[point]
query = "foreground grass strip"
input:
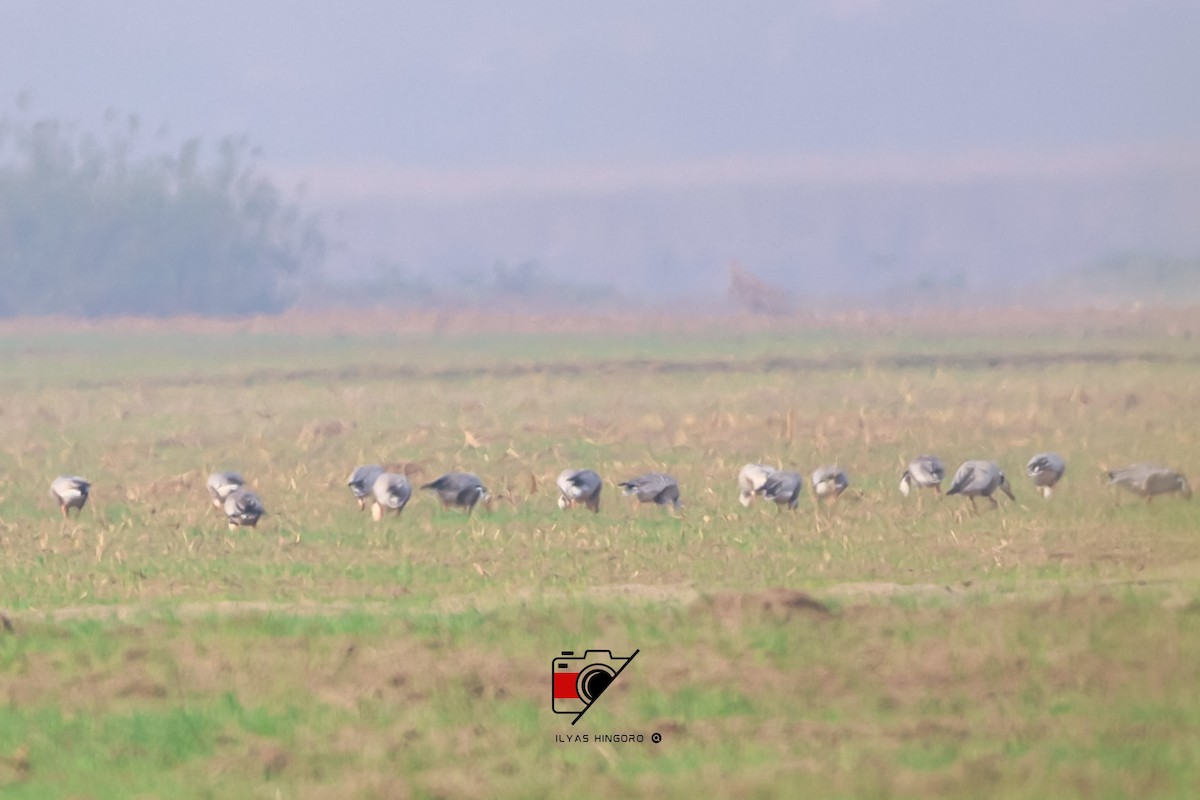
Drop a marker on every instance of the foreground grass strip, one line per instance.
(1068, 695)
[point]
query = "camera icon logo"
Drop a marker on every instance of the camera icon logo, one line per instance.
(580, 680)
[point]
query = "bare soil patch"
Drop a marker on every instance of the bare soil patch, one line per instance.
(777, 605)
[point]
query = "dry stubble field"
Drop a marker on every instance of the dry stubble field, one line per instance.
(871, 649)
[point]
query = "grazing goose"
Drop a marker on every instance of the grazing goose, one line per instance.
(783, 488)
(1046, 470)
(71, 491)
(924, 472)
(243, 508)
(461, 489)
(829, 482)
(391, 491)
(362, 483)
(653, 487)
(579, 486)
(1147, 480)
(751, 480)
(980, 479)
(221, 484)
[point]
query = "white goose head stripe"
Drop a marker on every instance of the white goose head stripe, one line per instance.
(71, 491)
(1046, 470)
(578, 486)
(751, 480)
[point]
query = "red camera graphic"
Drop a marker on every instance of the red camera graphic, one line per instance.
(580, 680)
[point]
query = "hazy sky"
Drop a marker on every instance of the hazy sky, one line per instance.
(449, 102)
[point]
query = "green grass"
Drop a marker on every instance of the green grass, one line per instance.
(1082, 685)
(1045, 649)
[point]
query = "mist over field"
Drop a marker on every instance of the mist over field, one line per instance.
(903, 243)
(852, 154)
(837, 357)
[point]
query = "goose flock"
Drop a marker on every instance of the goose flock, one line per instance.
(389, 491)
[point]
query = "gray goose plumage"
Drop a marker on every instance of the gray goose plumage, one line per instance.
(1046, 470)
(923, 472)
(577, 486)
(653, 487)
(750, 481)
(829, 481)
(362, 482)
(1148, 480)
(220, 484)
(243, 508)
(980, 479)
(390, 491)
(71, 491)
(461, 489)
(783, 488)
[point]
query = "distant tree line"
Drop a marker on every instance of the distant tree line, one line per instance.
(100, 224)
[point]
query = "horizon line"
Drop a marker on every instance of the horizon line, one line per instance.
(349, 182)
